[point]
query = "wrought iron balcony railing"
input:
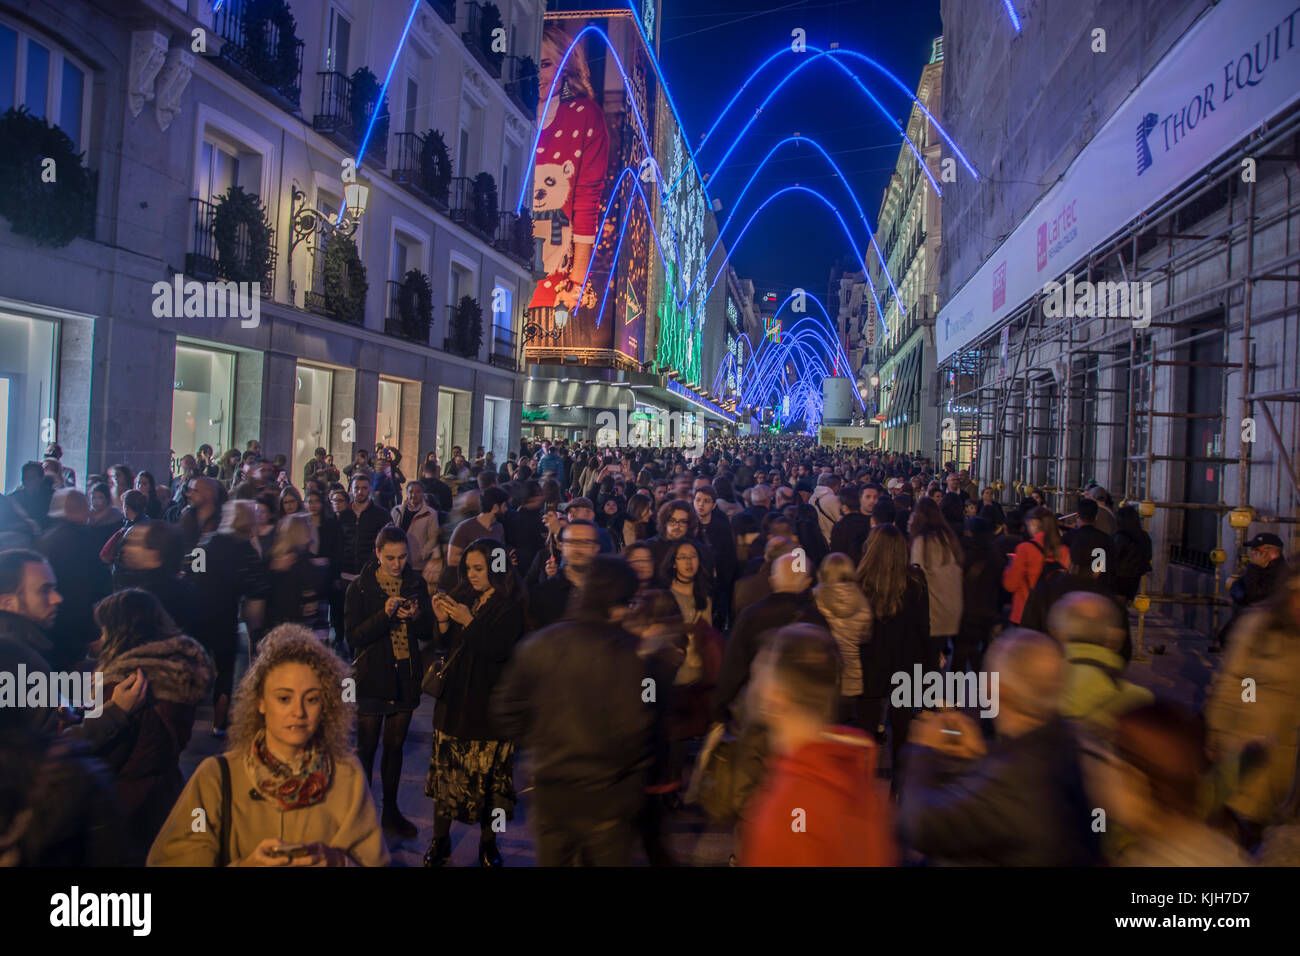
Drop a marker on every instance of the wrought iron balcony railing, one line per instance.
(203, 262)
(478, 45)
(407, 169)
(338, 118)
(414, 331)
(445, 9)
(262, 56)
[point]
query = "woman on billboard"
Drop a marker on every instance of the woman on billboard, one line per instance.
(569, 174)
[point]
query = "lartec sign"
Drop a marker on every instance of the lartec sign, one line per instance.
(1235, 68)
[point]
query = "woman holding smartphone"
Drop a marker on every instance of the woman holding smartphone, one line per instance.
(471, 774)
(289, 791)
(386, 616)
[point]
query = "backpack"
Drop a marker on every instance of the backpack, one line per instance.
(1050, 564)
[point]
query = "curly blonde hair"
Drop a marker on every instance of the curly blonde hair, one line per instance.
(293, 643)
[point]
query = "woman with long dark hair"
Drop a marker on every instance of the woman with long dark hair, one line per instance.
(1044, 546)
(1132, 552)
(682, 569)
(471, 773)
(137, 635)
(638, 523)
(387, 615)
(145, 484)
(900, 638)
(936, 550)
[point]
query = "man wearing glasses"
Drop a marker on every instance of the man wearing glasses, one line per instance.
(549, 601)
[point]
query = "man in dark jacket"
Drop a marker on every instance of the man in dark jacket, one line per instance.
(579, 698)
(72, 548)
(1265, 572)
(1088, 540)
(34, 493)
(849, 535)
(548, 600)
(791, 602)
(715, 530)
(1020, 803)
(434, 487)
(981, 584)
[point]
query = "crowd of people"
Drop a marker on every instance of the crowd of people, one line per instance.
(725, 630)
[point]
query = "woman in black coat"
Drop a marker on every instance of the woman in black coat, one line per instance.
(900, 636)
(387, 614)
(471, 774)
(1132, 553)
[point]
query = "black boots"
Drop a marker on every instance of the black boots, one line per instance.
(488, 854)
(439, 851)
(397, 825)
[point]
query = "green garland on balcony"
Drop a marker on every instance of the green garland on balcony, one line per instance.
(238, 208)
(53, 214)
(365, 99)
(278, 66)
(415, 305)
(484, 214)
(345, 279)
(435, 165)
(467, 327)
(489, 23)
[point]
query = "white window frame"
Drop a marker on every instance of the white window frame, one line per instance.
(455, 259)
(54, 81)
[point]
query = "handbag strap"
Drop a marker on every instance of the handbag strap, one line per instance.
(227, 802)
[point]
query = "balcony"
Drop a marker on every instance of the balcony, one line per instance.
(342, 120)
(505, 352)
(521, 84)
(393, 324)
(478, 39)
(514, 237)
(255, 54)
(449, 343)
(445, 9)
(484, 223)
(204, 263)
(314, 299)
(408, 170)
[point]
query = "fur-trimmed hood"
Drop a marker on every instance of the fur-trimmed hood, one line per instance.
(179, 669)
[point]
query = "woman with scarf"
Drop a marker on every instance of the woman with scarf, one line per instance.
(472, 771)
(137, 635)
(289, 791)
(387, 616)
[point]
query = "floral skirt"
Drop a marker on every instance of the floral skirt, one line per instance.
(468, 779)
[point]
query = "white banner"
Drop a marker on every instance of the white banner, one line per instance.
(1236, 67)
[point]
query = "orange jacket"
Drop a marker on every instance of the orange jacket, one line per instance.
(1024, 570)
(821, 806)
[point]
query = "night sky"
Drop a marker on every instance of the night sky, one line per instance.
(709, 47)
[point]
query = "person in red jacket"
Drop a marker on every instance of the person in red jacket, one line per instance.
(1027, 563)
(820, 804)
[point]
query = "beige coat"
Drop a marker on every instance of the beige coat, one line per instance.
(1270, 656)
(345, 819)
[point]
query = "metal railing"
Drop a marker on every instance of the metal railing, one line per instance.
(407, 169)
(475, 42)
(256, 49)
(314, 298)
(505, 350)
(522, 83)
(336, 115)
(514, 237)
(416, 331)
(464, 209)
(449, 344)
(203, 262)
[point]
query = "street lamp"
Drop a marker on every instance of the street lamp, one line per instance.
(875, 381)
(534, 330)
(306, 221)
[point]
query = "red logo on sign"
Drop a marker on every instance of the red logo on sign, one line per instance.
(1000, 286)
(1042, 246)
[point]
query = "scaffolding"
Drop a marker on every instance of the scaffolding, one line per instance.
(1044, 400)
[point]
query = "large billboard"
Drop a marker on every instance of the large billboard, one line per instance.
(1236, 67)
(586, 204)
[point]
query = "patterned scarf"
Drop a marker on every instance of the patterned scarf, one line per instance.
(290, 786)
(559, 219)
